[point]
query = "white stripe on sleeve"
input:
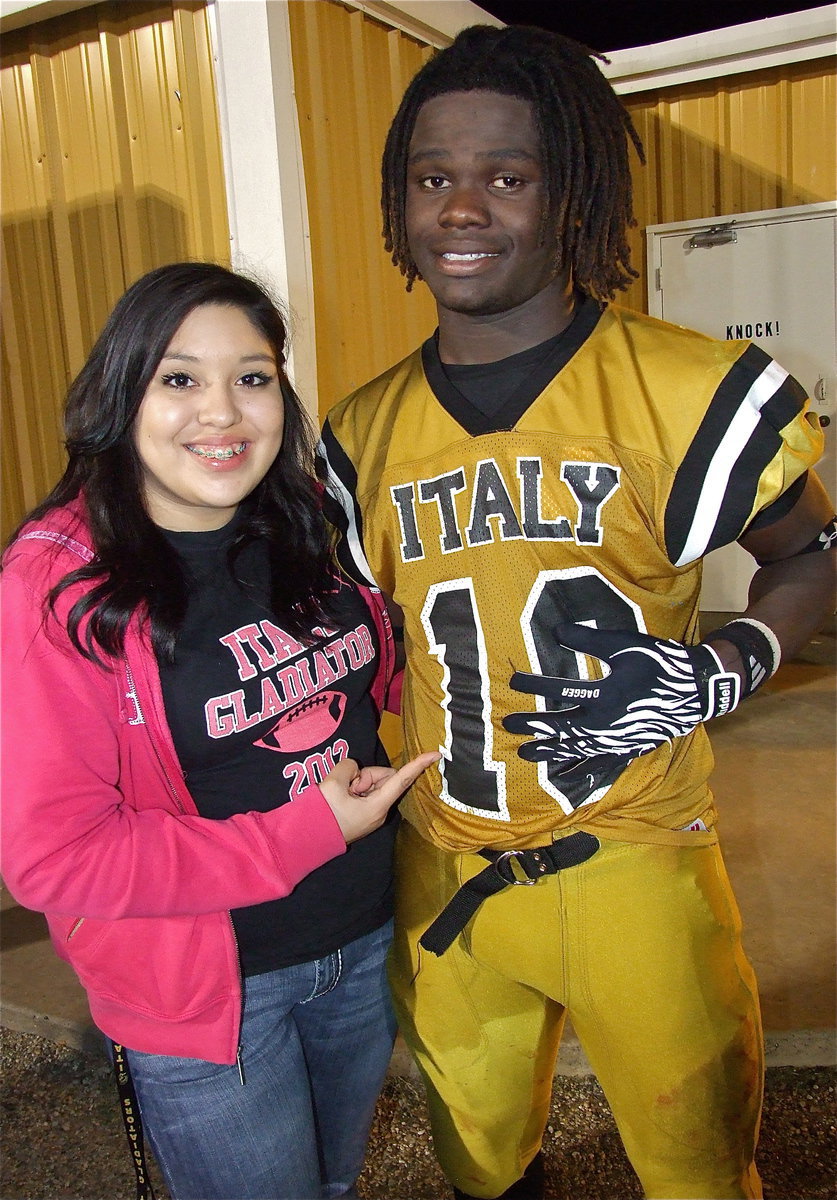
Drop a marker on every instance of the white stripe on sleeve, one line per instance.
(723, 461)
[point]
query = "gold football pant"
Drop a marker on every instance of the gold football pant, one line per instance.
(641, 946)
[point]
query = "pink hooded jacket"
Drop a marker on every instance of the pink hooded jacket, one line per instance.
(100, 832)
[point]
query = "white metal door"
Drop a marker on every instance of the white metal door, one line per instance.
(769, 277)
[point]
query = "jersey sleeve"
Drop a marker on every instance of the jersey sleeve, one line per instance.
(341, 507)
(779, 508)
(755, 440)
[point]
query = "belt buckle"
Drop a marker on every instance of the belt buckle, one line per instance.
(510, 856)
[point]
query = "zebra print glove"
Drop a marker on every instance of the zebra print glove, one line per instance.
(652, 691)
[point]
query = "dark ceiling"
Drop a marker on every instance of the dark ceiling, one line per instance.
(616, 24)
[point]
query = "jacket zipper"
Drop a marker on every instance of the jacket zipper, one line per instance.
(140, 720)
(239, 1052)
(77, 924)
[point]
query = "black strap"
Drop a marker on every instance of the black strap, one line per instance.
(534, 864)
(132, 1121)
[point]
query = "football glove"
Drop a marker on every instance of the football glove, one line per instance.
(652, 690)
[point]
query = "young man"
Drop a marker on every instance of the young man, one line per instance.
(536, 487)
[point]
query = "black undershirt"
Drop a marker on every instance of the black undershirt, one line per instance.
(488, 386)
(487, 397)
(256, 717)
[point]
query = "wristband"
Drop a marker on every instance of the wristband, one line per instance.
(758, 646)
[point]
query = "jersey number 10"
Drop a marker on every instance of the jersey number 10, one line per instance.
(473, 780)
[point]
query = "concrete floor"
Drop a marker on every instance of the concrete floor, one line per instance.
(774, 783)
(775, 787)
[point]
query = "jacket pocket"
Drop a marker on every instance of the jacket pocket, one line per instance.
(71, 935)
(166, 967)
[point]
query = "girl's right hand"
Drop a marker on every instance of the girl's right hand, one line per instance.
(363, 810)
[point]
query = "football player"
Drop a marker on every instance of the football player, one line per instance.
(536, 487)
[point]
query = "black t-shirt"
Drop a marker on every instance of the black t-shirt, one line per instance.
(519, 378)
(256, 717)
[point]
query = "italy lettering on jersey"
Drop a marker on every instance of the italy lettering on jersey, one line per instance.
(592, 500)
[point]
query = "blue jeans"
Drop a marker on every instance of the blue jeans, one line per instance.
(316, 1042)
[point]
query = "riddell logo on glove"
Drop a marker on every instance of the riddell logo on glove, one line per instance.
(725, 694)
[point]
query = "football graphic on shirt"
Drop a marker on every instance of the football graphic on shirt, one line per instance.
(309, 724)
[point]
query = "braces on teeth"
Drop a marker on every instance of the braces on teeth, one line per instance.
(218, 451)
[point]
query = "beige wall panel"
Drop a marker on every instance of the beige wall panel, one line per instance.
(350, 72)
(756, 141)
(107, 173)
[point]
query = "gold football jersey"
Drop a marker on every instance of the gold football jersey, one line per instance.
(591, 496)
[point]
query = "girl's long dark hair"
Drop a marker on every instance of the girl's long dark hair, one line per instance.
(135, 568)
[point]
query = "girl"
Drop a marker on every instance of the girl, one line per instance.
(188, 692)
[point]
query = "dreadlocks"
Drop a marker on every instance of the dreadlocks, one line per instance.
(581, 126)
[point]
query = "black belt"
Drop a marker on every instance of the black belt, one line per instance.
(545, 860)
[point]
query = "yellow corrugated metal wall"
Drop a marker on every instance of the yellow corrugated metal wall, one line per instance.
(350, 72)
(111, 164)
(761, 140)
